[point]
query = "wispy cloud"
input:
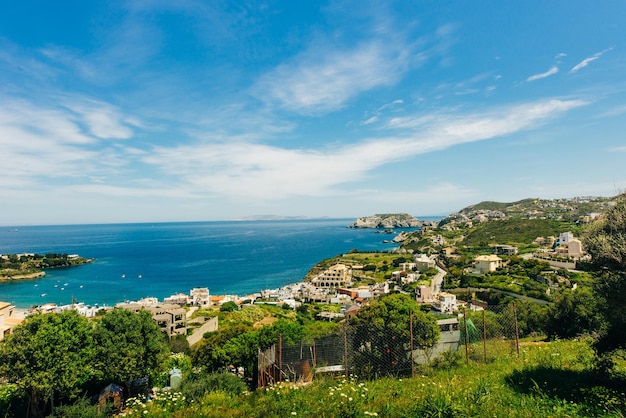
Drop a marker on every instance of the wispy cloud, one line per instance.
(317, 83)
(545, 74)
(268, 172)
(46, 142)
(588, 60)
(618, 149)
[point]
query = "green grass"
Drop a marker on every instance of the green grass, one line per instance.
(547, 380)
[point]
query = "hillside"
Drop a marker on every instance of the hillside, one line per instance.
(515, 231)
(574, 209)
(529, 386)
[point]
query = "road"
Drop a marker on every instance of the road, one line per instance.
(437, 281)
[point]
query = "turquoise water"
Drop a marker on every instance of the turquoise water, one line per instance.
(138, 260)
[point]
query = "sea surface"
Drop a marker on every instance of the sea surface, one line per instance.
(132, 261)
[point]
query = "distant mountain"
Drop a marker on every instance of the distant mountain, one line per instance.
(275, 218)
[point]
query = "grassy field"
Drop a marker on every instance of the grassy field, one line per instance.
(547, 380)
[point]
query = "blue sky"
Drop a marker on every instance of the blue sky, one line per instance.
(156, 110)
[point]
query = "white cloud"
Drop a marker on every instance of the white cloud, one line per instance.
(370, 120)
(40, 142)
(316, 83)
(588, 60)
(545, 74)
(268, 172)
(101, 119)
(618, 149)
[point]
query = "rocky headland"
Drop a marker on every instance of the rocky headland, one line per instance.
(388, 221)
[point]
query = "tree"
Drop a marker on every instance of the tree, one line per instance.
(129, 346)
(49, 356)
(381, 337)
(605, 242)
(229, 307)
(575, 312)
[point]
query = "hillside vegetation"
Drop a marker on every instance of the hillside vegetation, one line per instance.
(531, 386)
(516, 231)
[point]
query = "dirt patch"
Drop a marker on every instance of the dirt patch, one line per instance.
(268, 320)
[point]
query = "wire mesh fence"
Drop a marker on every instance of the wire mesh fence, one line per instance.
(370, 351)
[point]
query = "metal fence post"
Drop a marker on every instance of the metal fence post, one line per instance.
(516, 329)
(280, 358)
(484, 337)
(466, 336)
(411, 331)
(345, 349)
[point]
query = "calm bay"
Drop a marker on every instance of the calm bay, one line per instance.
(132, 261)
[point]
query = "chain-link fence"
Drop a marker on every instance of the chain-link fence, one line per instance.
(371, 351)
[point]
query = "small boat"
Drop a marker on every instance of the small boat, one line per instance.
(81, 286)
(123, 276)
(139, 277)
(42, 295)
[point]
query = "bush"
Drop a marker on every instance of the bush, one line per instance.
(229, 307)
(82, 409)
(447, 360)
(200, 384)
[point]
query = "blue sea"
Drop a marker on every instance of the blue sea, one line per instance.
(139, 260)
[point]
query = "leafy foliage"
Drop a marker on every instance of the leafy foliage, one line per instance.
(229, 307)
(605, 241)
(128, 346)
(382, 334)
(49, 355)
(575, 312)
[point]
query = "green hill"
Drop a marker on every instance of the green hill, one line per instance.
(515, 231)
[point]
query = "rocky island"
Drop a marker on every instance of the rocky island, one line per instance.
(391, 220)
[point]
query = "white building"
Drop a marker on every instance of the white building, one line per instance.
(339, 275)
(424, 263)
(200, 296)
(486, 263)
(446, 302)
(565, 237)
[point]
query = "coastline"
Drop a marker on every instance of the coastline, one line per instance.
(27, 276)
(136, 261)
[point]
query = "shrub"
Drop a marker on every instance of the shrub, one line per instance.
(229, 307)
(447, 360)
(200, 384)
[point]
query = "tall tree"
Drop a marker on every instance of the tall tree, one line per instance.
(49, 356)
(605, 241)
(129, 346)
(381, 334)
(575, 312)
